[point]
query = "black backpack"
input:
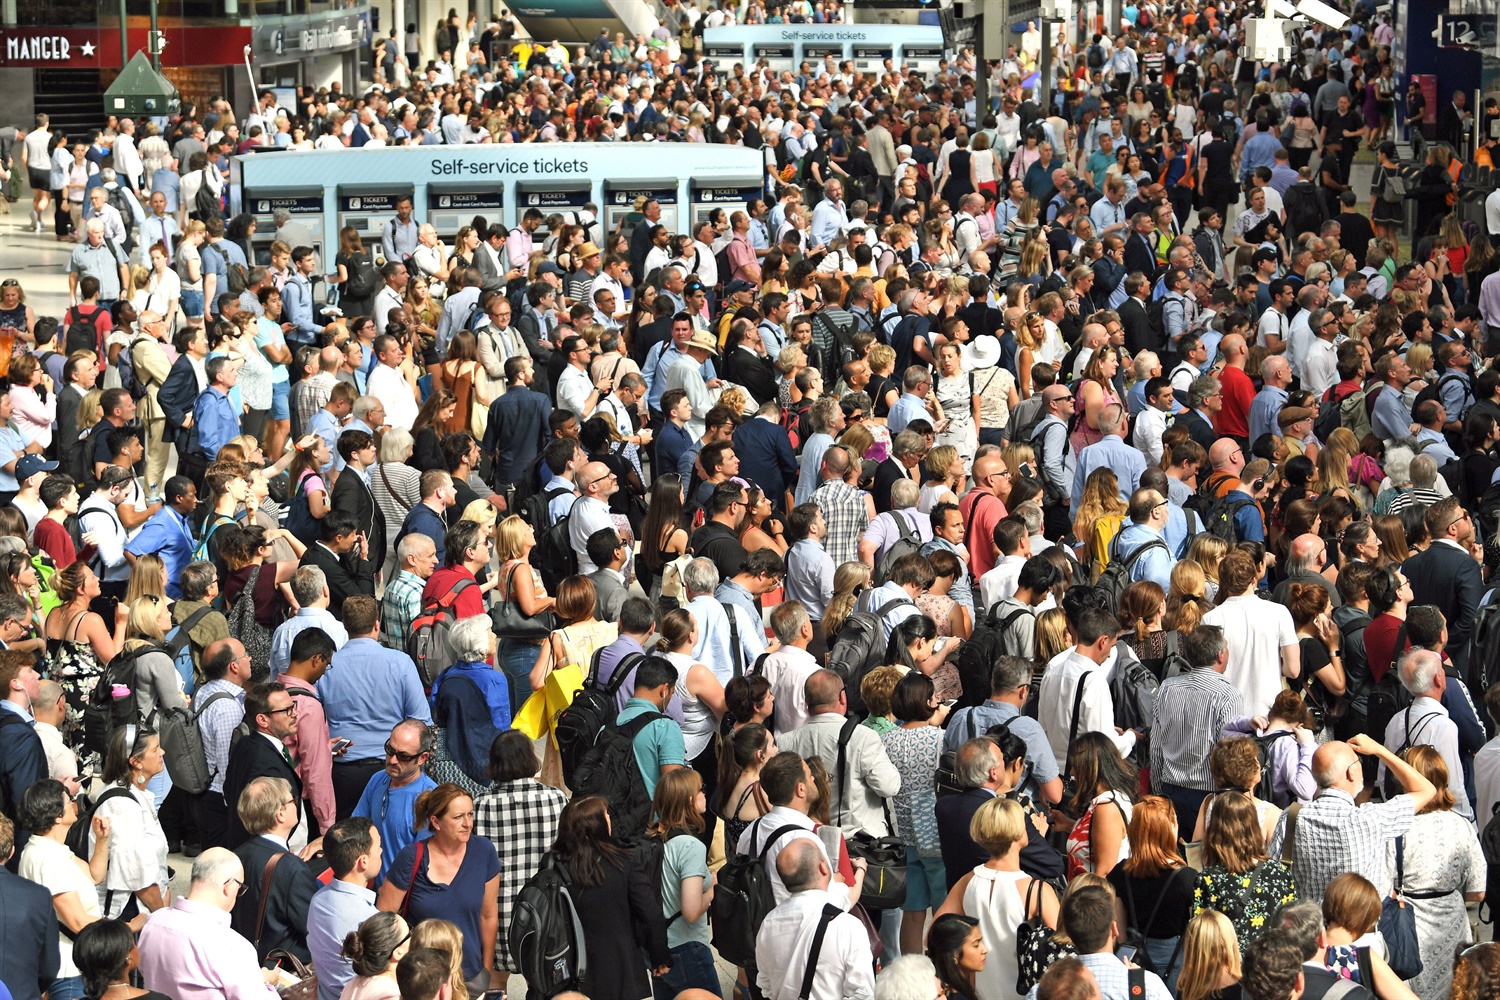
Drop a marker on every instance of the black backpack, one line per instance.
(1387, 696)
(593, 707)
(545, 935)
(1116, 576)
(1156, 320)
(103, 713)
(82, 333)
(977, 656)
(235, 275)
(1263, 754)
(1484, 650)
(299, 520)
(1410, 739)
(555, 559)
(608, 768)
(860, 648)
(743, 895)
(1329, 414)
(1132, 688)
(129, 380)
(121, 202)
(364, 279)
(1220, 520)
(77, 837)
(205, 203)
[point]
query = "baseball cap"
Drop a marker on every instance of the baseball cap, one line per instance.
(738, 285)
(29, 465)
(547, 267)
(1264, 253)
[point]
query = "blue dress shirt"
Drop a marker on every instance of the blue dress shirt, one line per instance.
(217, 422)
(168, 534)
(366, 691)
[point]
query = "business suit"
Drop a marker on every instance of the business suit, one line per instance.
(292, 889)
(753, 371)
(352, 496)
(347, 574)
(1201, 430)
(69, 448)
(1139, 256)
(23, 763)
(177, 395)
(517, 433)
(961, 855)
(886, 474)
(30, 960)
(1448, 577)
(609, 594)
(253, 757)
(766, 458)
(1138, 334)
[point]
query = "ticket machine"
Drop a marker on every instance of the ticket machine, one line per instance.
(305, 208)
(922, 58)
(549, 198)
(450, 211)
(369, 210)
(816, 52)
(725, 55)
(620, 199)
(871, 58)
(778, 56)
(731, 198)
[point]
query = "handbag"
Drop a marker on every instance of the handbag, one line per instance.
(479, 415)
(885, 857)
(510, 622)
(1398, 926)
(306, 986)
(1036, 947)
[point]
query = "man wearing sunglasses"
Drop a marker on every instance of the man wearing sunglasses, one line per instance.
(390, 799)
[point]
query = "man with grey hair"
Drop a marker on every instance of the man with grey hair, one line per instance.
(310, 589)
(280, 920)
(844, 966)
(1205, 398)
(1333, 833)
(189, 948)
(101, 258)
(903, 520)
(1010, 683)
(290, 231)
(416, 558)
(1427, 722)
(367, 414)
(916, 386)
(1110, 452)
(1192, 710)
(1320, 360)
(1276, 375)
(1303, 921)
(788, 668)
(987, 767)
(721, 642)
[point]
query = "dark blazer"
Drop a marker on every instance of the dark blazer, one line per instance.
(886, 474)
(69, 448)
(30, 960)
(253, 757)
(347, 575)
(961, 855)
(766, 458)
(1138, 335)
(177, 395)
(490, 278)
(1139, 256)
(757, 374)
(621, 916)
(517, 433)
(1449, 578)
(292, 888)
(1201, 430)
(352, 496)
(23, 763)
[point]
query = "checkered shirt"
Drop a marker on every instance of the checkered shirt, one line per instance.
(1333, 836)
(217, 724)
(399, 608)
(309, 396)
(520, 818)
(843, 508)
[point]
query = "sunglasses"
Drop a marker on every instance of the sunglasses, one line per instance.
(405, 758)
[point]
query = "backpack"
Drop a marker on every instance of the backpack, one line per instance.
(1220, 521)
(555, 559)
(217, 521)
(205, 203)
(1434, 392)
(545, 935)
(179, 646)
(1304, 210)
(1329, 418)
(860, 648)
(1132, 688)
(182, 745)
(77, 837)
(1391, 786)
(1263, 754)
(117, 198)
(364, 280)
(1484, 650)
(126, 367)
(1387, 696)
(1096, 56)
(843, 344)
(103, 713)
(1354, 411)
(255, 637)
(977, 656)
(1116, 576)
(724, 267)
(82, 333)
(743, 895)
(580, 724)
(235, 275)
(299, 519)
(1393, 187)
(427, 644)
(908, 543)
(609, 768)
(1050, 492)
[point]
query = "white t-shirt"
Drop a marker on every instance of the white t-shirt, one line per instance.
(51, 864)
(1256, 631)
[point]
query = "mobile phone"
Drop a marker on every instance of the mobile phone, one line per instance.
(1026, 471)
(341, 744)
(950, 703)
(1126, 953)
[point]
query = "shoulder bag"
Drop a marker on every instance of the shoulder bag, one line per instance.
(306, 987)
(1036, 946)
(885, 857)
(510, 622)
(1398, 925)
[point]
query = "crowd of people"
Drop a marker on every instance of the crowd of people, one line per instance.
(1047, 550)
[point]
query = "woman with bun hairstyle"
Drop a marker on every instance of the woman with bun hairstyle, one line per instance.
(374, 950)
(1290, 755)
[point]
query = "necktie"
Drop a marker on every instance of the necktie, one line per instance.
(288, 755)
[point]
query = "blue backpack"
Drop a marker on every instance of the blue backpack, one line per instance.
(179, 647)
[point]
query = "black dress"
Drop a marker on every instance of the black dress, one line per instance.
(957, 185)
(353, 305)
(1384, 211)
(426, 451)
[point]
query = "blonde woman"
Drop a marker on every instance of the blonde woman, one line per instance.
(158, 685)
(1053, 635)
(1187, 600)
(1031, 333)
(441, 935)
(1206, 551)
(517, 580)
(1210, 958)
(148, 578)
(1100, 514)
(849, 581)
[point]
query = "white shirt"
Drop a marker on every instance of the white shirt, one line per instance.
(1150, 425)
(400, 404)
(1492, 213)
(385, 300)
(573, 389)
(795, 826)
(787, 670)
(1053, 347)
(61, 762)
(1096, 713)
(1000, 582)
(1486, 779)
(784, 944)
(1256, 631)
(1320, 366)
(590, 514)
(1273, 323)
(1432, 726)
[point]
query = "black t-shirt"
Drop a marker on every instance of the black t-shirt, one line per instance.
(1219, 156)
(1176, 906)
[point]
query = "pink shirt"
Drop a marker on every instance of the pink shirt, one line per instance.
(189, 952)
(518, 247)
(32, 416)
(309, 745)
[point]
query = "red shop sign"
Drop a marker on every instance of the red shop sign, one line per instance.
(95, 48)
(59, 48)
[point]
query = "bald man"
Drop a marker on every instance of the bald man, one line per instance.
(783, 946)
(1306, 560)
(982, 508)
(596, 484)
(1233, 419)
(1275, 375)
(1333, 834)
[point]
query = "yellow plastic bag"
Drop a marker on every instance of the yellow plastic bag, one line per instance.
(538, 716)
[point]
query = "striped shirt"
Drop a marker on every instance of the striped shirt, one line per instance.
(1191, 711)
(216, 724)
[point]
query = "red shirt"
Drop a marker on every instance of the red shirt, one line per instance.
(979, 528)
(444, 579)
(52, 538)
(1234, 419)
(1380, 643)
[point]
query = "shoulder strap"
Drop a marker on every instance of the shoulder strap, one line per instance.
(829, 912)
(736, 654)
(846, 733)
(216, 696)
(265, 894)
(1141, 550)
(1366, 967)
(622, 670)
(1292, 810)
(416, 866)
(633, 728)
(1136, 977)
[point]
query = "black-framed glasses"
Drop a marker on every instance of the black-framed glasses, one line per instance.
(405, 758)
(289, 710)
(243, 887)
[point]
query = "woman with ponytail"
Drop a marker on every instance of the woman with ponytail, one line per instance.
(741, 756)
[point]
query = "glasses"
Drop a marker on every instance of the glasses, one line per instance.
(241, 890)
(602, 479)
(10, 283)
(405, 758)
(289, 710)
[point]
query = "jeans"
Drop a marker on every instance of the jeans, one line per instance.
(66, 989)
(1160, 950)
(517, 659)
(692, 968)
(1187, 802)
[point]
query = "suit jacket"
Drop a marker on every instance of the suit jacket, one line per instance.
(1139, 256)
(177, 395)
(253, 757)
(517, 433)
(69, 448)
(1138, 335)
(23, 762)
(610, 592)
(1449, 578)
(352, 496)
(30, 960)
(292, 888)
(490, 278)
(757, 374)
(886, 474)
(766, 457)
(961, 855)
(347, 575)
(1200, 429)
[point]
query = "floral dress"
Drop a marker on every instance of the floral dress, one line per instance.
(76, 667)
(1080, 848)
(954, 395)
(915, 753)
(1246, 898)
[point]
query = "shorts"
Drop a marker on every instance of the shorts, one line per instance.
(281, 396)
(41, 180)
(926, 881)
(192, 303)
